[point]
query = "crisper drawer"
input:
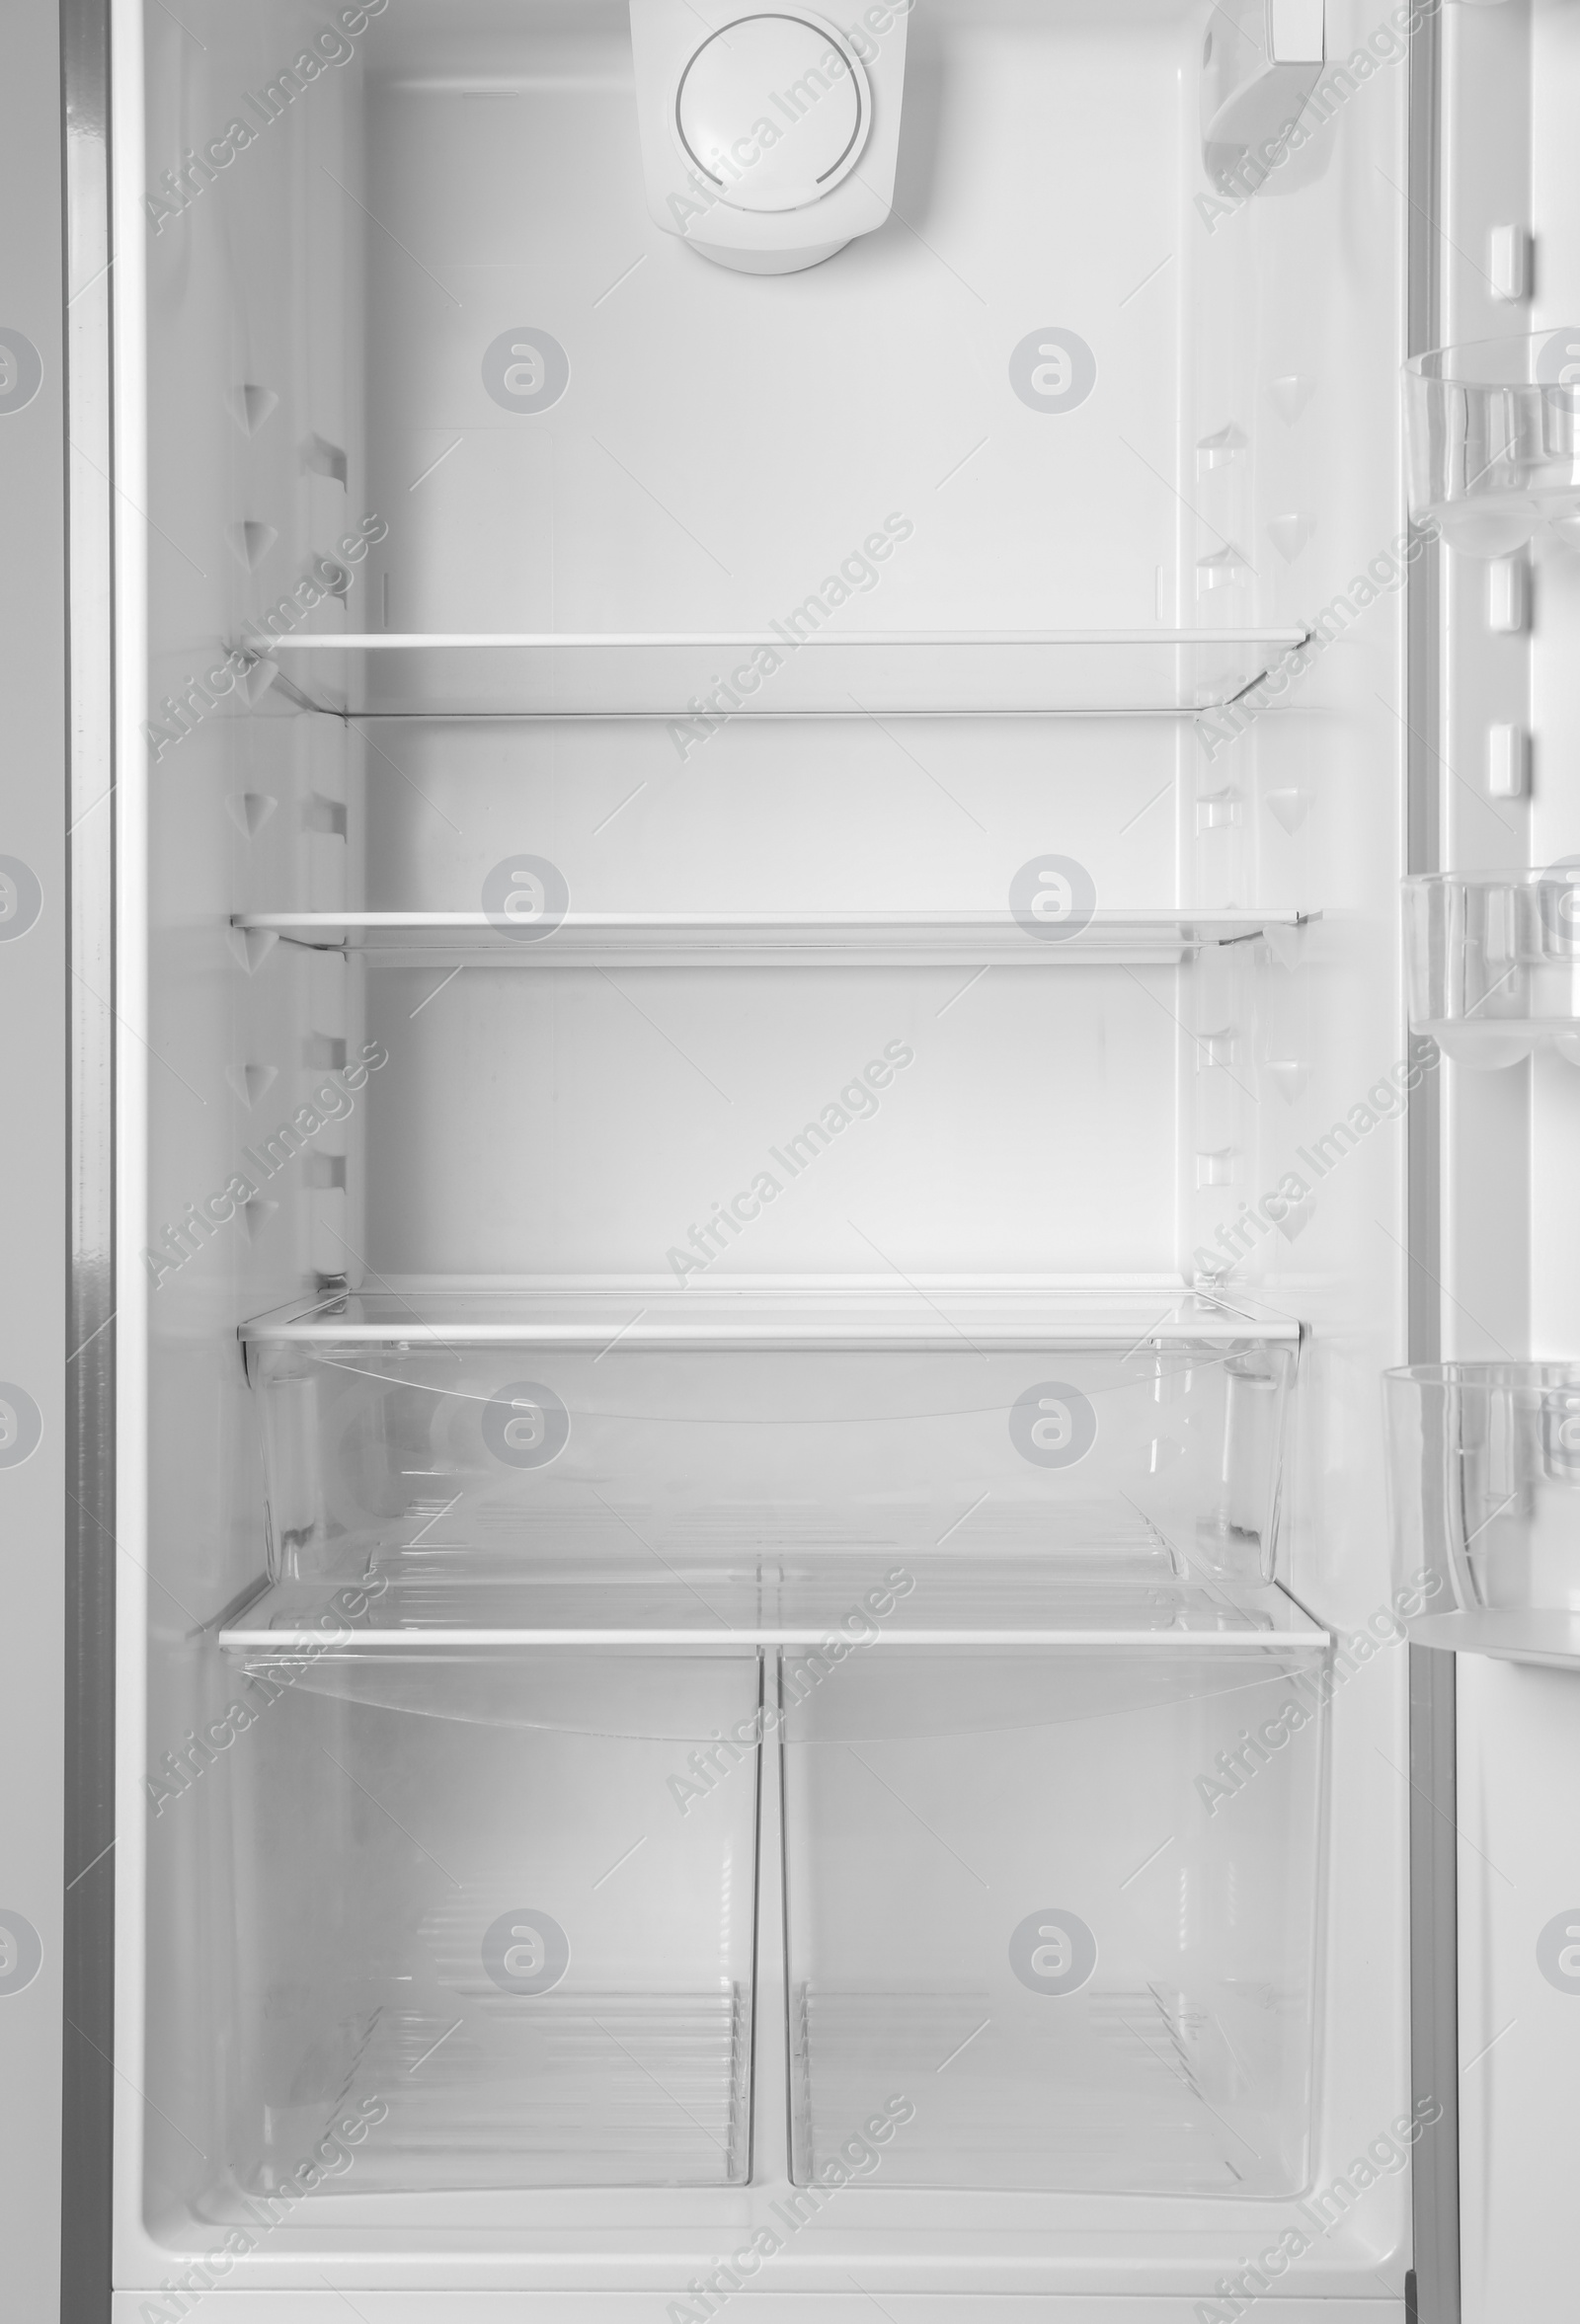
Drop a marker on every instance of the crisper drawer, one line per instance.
(454, 1441)
(467, 1914)
(1064, 1903)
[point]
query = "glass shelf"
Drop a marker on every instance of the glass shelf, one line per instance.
(1121, 937)
(457, 1604)
(849, 1312)
(1494, 962)
(1484, 1480)
(1495, 441)
(849, 674)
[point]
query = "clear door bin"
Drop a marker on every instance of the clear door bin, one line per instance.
(1494, 962)
(1484, 1482)
(1035, 1896)
(1494, 440)
(467, 1912)
(512, 1460)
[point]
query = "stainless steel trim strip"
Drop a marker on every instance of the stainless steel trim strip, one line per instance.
(87, 2033)
(1434, 2284)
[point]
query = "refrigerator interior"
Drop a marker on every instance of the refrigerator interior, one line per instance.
(717, 1464)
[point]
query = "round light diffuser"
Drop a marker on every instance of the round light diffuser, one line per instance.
(773, 110)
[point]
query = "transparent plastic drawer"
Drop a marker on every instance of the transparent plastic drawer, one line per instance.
(1494, 962)
(674, 1461)
(1066, 1905)
(1484, 1482)
(469, 1918)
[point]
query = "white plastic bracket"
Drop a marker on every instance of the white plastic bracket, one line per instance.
(1508, 763)
(1260, 61)
(1295, 32)
(1508, 595)
(1508, 262)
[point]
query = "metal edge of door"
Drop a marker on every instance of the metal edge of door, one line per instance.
(1433, 2286)
(33, 986)
(87, 2030)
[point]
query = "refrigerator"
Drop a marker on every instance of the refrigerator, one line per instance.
(818, 1413)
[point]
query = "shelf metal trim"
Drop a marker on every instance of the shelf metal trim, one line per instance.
(666, 675)
(385, 641)
(649, 1314)
(390, 1645)
(1141, 935)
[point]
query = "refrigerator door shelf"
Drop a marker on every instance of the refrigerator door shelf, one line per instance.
(1505, 1634)
(1494, 440)
(1071, 1901)
(441, 1928)
(1484, 1480)
(1494, 962)
(1071, 932)
(794, 671)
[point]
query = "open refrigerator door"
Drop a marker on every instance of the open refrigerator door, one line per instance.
(1482, 1422)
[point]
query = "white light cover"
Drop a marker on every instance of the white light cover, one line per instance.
(774, 110)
